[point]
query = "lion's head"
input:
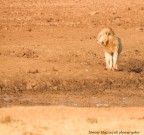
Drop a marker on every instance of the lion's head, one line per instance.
(103, 36)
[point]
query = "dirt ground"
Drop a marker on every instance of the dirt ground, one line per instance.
(49, 57)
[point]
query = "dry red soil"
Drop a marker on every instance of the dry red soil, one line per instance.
(49, 56)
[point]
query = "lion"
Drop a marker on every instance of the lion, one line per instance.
(112, 47)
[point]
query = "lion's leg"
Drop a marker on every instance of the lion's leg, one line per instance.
(107, 60)
(115, 61)
(110, 61)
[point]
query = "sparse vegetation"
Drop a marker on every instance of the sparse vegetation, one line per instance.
(6, 120)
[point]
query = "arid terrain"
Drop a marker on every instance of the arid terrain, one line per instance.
(52, 71)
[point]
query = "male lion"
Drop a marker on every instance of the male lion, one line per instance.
(112, 47)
